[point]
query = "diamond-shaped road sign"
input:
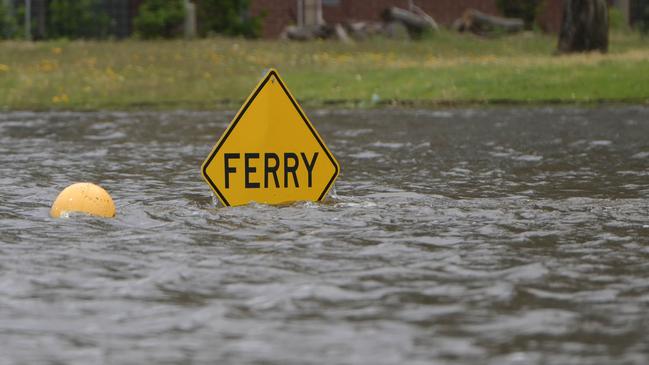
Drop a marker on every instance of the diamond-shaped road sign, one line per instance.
(270, 153)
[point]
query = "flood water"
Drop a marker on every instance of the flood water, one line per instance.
(497, 236)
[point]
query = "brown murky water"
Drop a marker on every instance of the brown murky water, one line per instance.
(501, 236)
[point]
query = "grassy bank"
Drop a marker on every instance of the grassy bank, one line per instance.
(446, 69)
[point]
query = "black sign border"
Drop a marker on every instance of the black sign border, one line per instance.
(241, 113)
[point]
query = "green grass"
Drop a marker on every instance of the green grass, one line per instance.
(446, 69)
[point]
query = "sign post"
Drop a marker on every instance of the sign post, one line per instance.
(270, 153)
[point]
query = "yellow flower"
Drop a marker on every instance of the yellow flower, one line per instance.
(63, 98)
(48, 65)
(57, 50)
(4, 68)
(114, 76)
(89, 62)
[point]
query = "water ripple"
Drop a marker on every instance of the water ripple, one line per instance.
(497, 236)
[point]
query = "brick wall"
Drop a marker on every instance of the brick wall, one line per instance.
(277, 15)
(443, 11)
(549, 18)
(280, 13)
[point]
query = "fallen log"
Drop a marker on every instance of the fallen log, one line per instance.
(480, 23)
(416, 23)
(364, 30)
(396, 30)
(341, 34)
(307, 33)
(429, 19)
(313, 32)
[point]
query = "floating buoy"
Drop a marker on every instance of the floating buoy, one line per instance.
(86, 198)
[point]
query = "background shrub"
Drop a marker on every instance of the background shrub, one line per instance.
(228, 17)
(522, 9)
(616, 20)
(7, 22)
(160, 19)
(77, 19)
(644, 20)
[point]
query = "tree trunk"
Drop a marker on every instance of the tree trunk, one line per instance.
(584, 26)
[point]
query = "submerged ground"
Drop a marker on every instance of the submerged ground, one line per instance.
(446, 68)
(500, 236)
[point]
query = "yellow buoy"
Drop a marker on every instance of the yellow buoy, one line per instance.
(86, 198)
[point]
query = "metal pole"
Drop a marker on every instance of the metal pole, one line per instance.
(319, 19)
(28, 20)
(300, 13)
(190, 19)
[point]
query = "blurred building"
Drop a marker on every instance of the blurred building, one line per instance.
(278, 14)
(281, 13)
(120, 13)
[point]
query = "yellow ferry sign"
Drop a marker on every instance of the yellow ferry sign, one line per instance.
(270, 153)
